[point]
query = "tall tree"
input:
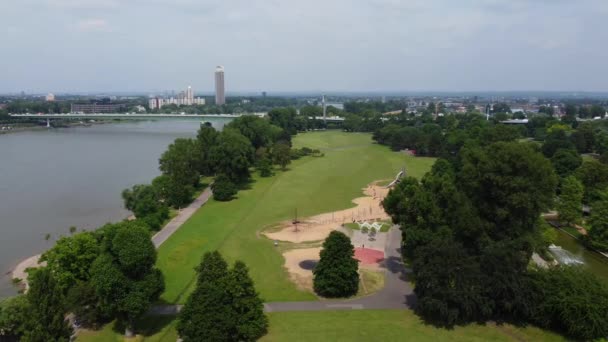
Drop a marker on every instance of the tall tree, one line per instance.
(233, 155)
(206, 138)
(566, 162)
(251, 322)
(124, 276)
(336, 273)
(71, 258)
(281, 153)
(598, 233)
(46, 319)
(569, 206)
(182, 161)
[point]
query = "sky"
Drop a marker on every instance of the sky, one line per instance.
(304, 45)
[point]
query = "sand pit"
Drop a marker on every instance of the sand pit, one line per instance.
(318, 227)
(298, 262)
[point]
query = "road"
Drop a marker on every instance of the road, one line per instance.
(397, 293)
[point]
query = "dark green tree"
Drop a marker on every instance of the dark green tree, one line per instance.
(569, 206)
(71, 258)
(572, 300)
(206, 138)
(182, 162)
(144, 201)
(594, 176)
(281, 154)
(14, 313)
(223, 188)
(46, 317)
(597, 111)
(598, 233)
(565, 162)
(124, 276)
(251, 322)
(208, 314)
(233, 155)
(171, 192)
(336, 273)
(259, 131)
(265, 167)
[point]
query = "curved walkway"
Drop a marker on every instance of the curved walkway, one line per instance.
(397, 293)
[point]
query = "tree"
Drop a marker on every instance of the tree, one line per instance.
(259, 131)
(281, 153)
(124, 276)
(336, 273)
(71, 258)
(284, 118)
(14, 313)
(501, 107)
(251, 322)
(594, 176)
(569, 206)
(143, 201)
(265, 167)
(597, 235)
(565, 162)
(171, 192)
(572, 300)
(46, 319)
(206, 316)
(206, 138)
(181, 161)
(232, 156)
(597, 111)
(223, 188)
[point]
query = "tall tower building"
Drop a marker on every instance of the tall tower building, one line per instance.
(220, 97)
(189, 96)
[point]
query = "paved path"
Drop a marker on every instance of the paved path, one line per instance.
(181, 217)
(397, 292)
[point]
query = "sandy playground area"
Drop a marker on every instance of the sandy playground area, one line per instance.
(316, 228)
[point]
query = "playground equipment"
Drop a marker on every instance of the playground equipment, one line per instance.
(397, 178)
(376, 225)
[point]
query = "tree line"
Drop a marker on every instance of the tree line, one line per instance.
(469, 229)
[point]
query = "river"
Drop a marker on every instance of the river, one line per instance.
(57, 178)
(593, 261)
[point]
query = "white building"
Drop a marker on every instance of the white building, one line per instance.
(50, 97)
(184, 98)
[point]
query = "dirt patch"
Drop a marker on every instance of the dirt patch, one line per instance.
(315, 228)
(297, 262)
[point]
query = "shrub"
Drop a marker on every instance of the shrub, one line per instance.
(223, 188)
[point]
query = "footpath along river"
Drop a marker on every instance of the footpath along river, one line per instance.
(57, 178)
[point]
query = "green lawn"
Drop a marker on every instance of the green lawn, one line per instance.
(313, 185)
(356, 325)
(151, 329)
(387, 325)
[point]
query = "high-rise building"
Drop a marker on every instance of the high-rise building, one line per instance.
(220, 97)
(189, 96)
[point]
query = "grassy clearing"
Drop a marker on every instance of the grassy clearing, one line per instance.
(387, 325)
(152, 329)
(370, 281)
(312, 185)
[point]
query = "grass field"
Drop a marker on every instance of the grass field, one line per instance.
(313, 185)
(356, 325)
(387, 325)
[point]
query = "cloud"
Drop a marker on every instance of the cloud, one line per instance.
(92, 25)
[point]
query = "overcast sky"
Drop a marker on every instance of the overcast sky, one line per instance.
(303, 45)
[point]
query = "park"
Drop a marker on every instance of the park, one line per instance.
(311, 186)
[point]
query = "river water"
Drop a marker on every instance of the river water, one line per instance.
(51, 180)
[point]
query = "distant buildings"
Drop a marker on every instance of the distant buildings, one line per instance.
(50, 97)
(184, 98)
(89, 108)
(220, 97)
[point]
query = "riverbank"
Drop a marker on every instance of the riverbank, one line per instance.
(19, 273)
(8, 128)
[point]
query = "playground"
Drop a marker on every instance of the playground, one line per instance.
(316, 228)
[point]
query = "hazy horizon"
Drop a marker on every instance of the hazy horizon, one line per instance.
(374, 46)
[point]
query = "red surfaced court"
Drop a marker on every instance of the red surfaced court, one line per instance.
(368, 256)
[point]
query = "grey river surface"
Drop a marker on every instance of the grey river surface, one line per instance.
(51, 180)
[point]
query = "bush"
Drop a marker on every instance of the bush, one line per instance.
(571, 299)
(336, 274)
(265, 167)
(223, 188)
